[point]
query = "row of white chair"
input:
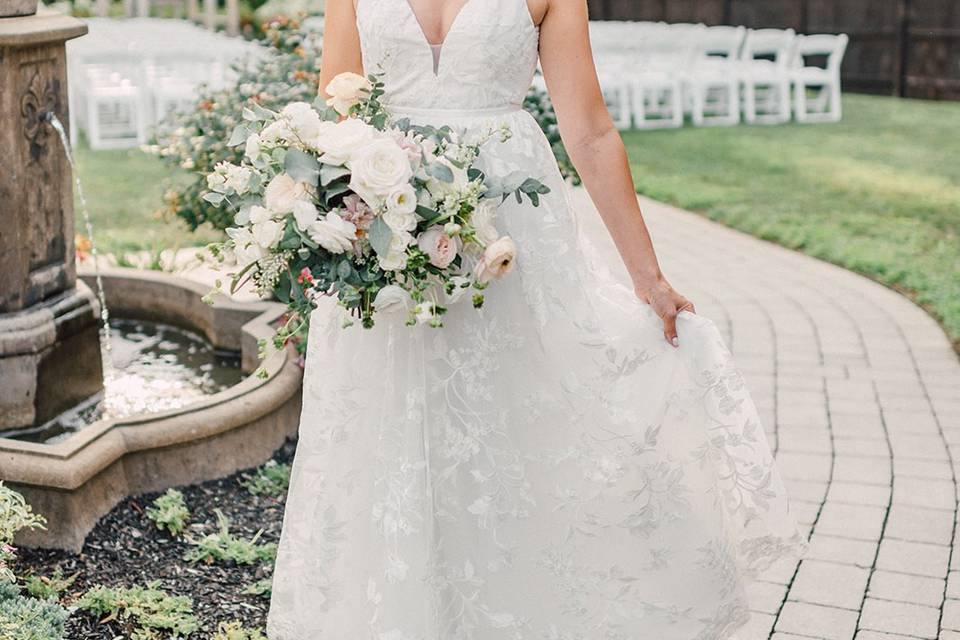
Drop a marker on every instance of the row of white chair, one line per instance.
(127, 75)
(653, 74)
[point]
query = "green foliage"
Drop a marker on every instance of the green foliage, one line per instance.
(235, 630)
(540, 107)
(153, 613)
(263, 588)
(48, 587)
(24, 618)
(223, 546)
(197, 140)
(15, 514)
(271, 479)
(170, 512)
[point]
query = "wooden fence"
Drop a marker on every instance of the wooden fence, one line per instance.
(901, 47)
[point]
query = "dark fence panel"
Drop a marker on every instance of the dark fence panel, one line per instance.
(900, 47)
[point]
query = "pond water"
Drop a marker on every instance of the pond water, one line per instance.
(156, 367)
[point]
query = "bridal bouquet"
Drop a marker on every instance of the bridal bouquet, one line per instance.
(335, 199)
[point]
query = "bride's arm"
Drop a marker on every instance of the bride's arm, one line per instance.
(598, 153)
(341, 42)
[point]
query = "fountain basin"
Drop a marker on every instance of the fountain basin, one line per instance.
(76, 481)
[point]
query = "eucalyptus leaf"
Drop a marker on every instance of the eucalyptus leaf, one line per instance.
(301, 166)
(380, 236)
(441, 172)
(329, 173)
(214, 198)
(239, 136)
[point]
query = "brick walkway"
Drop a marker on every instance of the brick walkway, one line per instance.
(860, 394)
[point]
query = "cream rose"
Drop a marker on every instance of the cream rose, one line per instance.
(245, 248)
(267, 233)
(303, 121)
(482, 219)
(497, 260)
(378, 169)
(305, 214)
(338, 143)
(439, 247)
(283, 192)
(333, 233)
(346, 90)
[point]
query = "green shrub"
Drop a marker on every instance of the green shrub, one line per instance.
(197, 140)
(169, 512)
(43, 587)
(261, 588)
(271, 479)
(15, 514)
(150, 609)
(223, 546)
(23, 618)
(235, 631)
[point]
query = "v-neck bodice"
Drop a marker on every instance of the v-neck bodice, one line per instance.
(488, 56)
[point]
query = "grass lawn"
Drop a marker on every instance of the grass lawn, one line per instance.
(124, 190)
(878, 193)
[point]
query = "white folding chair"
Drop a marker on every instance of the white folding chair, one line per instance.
(714, 83)
(765, 74)
(826, 104)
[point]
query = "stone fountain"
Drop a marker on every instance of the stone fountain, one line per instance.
(50, 343)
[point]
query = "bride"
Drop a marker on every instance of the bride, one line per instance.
(576, 461)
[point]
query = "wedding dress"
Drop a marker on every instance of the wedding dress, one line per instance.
(546, 468)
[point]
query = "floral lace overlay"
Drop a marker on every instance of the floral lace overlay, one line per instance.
(545, 469)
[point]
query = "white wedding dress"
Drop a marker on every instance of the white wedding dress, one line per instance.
(547, 468)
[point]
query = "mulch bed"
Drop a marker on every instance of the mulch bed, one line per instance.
(126, 549)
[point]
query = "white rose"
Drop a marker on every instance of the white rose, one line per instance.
(396, 258)
(482, 219)
(333, 233)
(282, 192)
(303, 122)
(400, 221)
(497, 260)
(252, 148)
(305, 214)
(339, 142)
(246, 250)
(346, 90)
(378, 169)
(392, 298)
(402, 199)
(267, 233)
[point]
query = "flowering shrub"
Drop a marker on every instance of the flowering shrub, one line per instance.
(15, 514)
(197, 140)
(385, 216)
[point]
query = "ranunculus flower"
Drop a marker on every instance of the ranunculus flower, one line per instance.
(338, 143)
(282, 192)
(439, 247)
(392, 298)
(497, 260)
(482, 219)
(400, 221)
(333, 233)
(305, 214)
(396, 258)
(346, 90)
(377, 169)
(267, 233)
(246, 250)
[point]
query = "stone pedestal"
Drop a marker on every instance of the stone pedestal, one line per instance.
(44, 317)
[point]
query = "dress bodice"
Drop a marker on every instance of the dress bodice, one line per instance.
(487, 59)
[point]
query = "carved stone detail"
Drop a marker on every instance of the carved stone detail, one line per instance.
(41, 97)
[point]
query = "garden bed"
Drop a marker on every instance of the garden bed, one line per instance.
(126, 549)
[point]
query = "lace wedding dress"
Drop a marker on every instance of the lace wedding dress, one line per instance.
(548, 468)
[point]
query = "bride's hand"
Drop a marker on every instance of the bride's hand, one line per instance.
(666, 302)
